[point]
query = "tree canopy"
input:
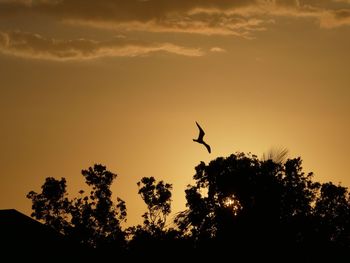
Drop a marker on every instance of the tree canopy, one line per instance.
(92, 219)
(238, 203)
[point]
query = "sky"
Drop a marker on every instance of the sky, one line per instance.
(122, 83)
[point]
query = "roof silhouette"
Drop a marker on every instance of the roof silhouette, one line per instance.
(23, 237)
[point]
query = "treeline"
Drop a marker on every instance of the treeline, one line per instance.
(240, 207)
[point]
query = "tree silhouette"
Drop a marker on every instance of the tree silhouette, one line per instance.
(95, 217)
(153, 232)
(276, 154)
(52, 205)
(243, 203)
(333, 215)
(157, 197)
(239, 205)
(91, 219)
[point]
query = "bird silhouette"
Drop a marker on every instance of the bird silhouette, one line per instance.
(200, 138)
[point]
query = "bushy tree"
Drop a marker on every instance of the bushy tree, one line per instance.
(239, 204)
(52, 205)
(153, 237)
(332, 211)
(91, 219)
(157, 197)
(243, 202)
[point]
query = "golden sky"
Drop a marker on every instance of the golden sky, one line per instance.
(122, 83)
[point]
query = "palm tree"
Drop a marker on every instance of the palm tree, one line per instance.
(276, 154)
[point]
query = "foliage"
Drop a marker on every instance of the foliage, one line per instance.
(91, 219)
(237, 203)
(157, 197)
(52, 205)
(276, 154)
(259, 204)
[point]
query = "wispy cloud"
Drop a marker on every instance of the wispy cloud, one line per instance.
(225, 26)
(30, 45)
(335, 18)
(221, 17)
(240, 18)
(217, 49)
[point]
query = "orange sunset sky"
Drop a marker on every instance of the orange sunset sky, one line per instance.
(122, 83)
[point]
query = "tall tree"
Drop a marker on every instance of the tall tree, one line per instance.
(332, 210)
(154, 233)
(157, 197)
(52, 205)
(249, 202)
(91, 219)
(96, 219)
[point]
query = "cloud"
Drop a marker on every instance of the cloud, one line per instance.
(240, 18)
(190, 16)
(24, 44)
(217, 49)
(219, 17)
(222, 26)
(336, 18)
(342, 1)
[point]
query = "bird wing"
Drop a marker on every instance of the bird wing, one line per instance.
(201, 132)
(208, 147)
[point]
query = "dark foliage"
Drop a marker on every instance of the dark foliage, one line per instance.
(238, 207)
(93, 219)
(261, 207)
(153, 233)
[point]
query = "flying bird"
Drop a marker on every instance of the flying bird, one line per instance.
(200, 138)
